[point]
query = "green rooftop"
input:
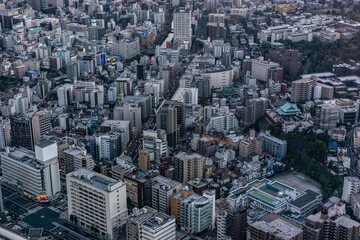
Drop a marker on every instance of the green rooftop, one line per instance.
(262, 196)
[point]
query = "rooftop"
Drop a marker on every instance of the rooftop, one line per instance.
(278, 228)
(157, 221)
(305, 199)
(97, 180)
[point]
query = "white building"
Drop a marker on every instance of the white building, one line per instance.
(112, 93)
(260, 69)
(182, 27)
(96, 202)
(159, 227)
(186, 95)
(351, 186)
(155, 142)
(222, 121)
(220, 78)
(65, 95)
(126, 48)
(5, 137)
(76, 158)
(39, 178)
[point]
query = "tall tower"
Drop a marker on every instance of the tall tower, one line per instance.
(182, 27)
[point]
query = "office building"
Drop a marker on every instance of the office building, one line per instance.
(134, 227)
(176, 203)
(27, 130)
(182, 27)
(171, 118)
(65, 95)
(158, 227)
(155, 142)
(158, 193)
(36, 174)
(188, 167)
(96, 202)
(135, 187)
(87, 64)
(275, 146)
(186, 95)
(76, 158)
(144, 160)
(197, 213)
(260, 69)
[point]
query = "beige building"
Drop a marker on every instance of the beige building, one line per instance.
(327, 92)
(188, 166)
(144, 160)
(250, 145)
(301, 90)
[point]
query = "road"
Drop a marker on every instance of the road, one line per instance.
(136, 144)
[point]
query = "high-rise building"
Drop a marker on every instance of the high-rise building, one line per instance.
(253, 110)
(65, 95)
(301, 90)
(351, 187)
(155, 142)
(144, 160)
(326, 224)
(171, 118)
(276, 229)
(236, 223)
(27, 130)
(72, 71)
(135, 187)
(182, 27)
(176, 203)
(108, 146)
(158, 227)
(76, 158)
(260, 69)
(197, 213)
(158, 192)
(188, 167)
(326, 116)
(273, 145)
(134, 229)
(5, 133)
(130, 112)
(96, 202)
(36, 174)
(250, 145)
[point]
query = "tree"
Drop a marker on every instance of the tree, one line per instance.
(319, 150)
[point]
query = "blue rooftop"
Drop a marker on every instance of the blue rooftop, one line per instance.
(288, 109)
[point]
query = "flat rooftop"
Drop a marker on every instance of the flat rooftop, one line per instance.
(305, 199)
(95, 179)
